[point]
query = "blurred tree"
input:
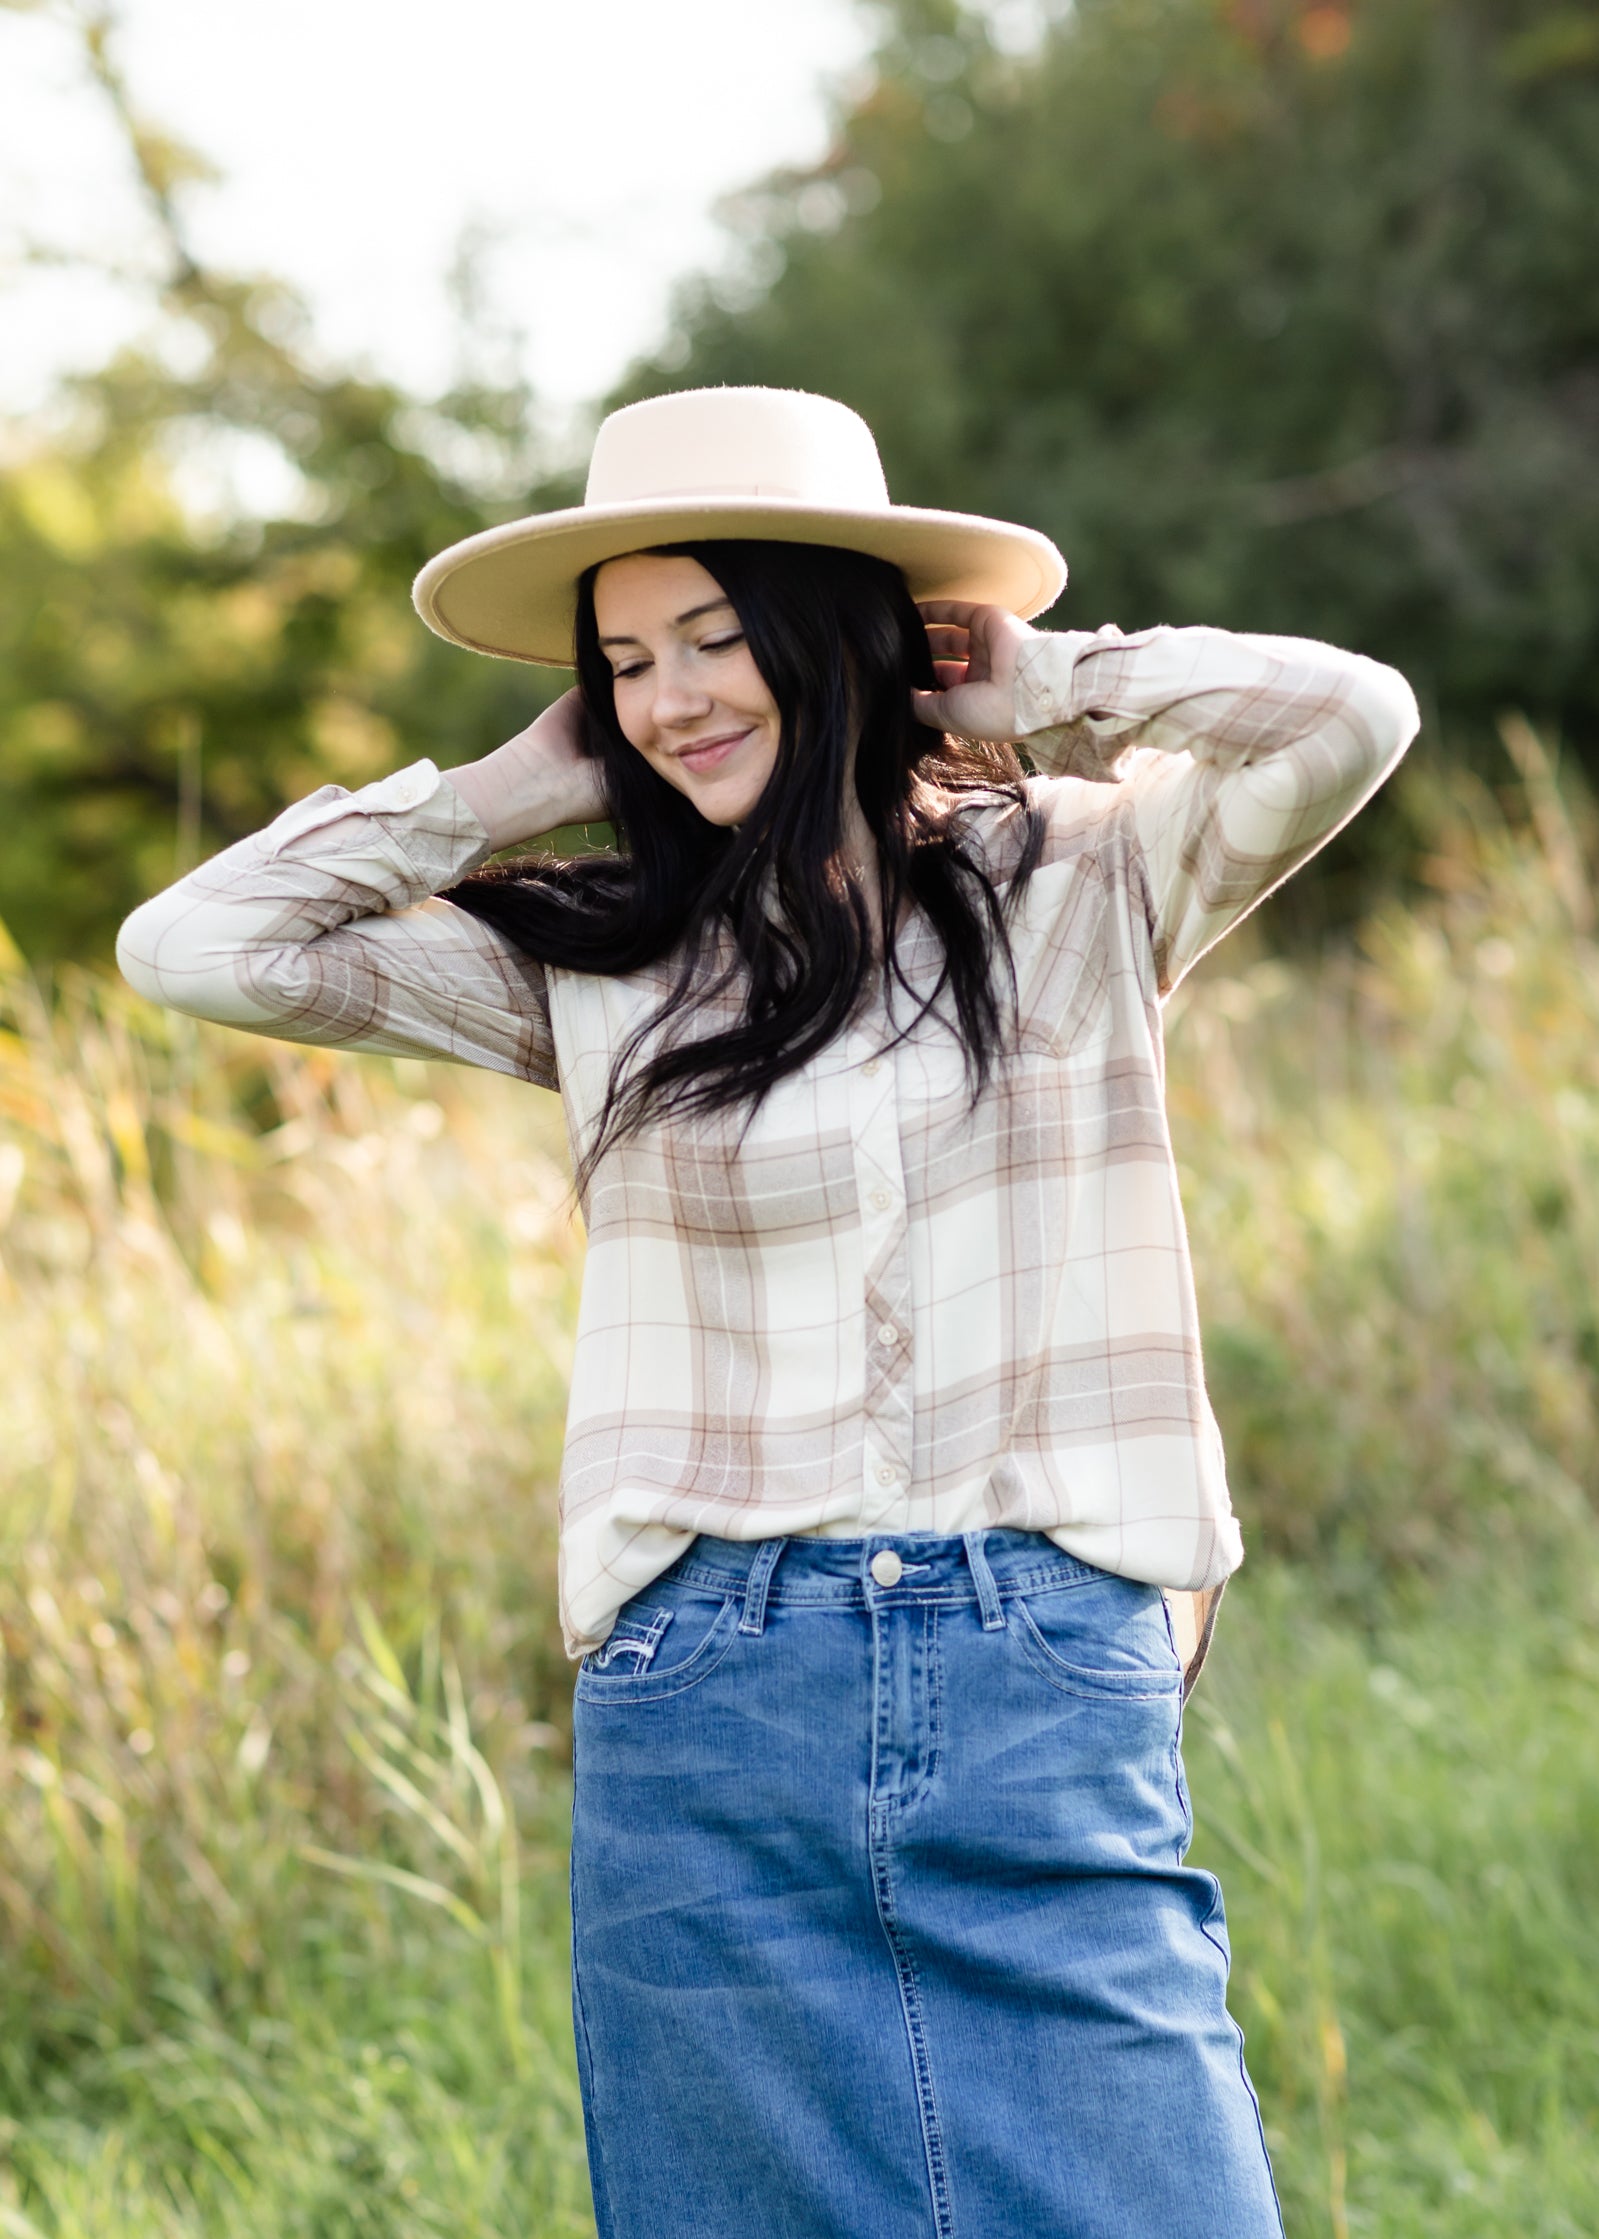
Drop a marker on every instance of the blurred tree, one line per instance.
(1281, 314)
(1276, 313)
(172, 671)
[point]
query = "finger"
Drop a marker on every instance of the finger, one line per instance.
(947, 640)
(949, 610)
(949, 674)
(928, 708)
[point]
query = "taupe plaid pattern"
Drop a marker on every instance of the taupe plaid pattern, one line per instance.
(873, 1308)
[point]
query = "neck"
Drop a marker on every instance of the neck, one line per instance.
(861, 860)
(860, 849)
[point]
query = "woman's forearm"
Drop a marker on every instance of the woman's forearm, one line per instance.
(322, 928)
(1085, 701)
(228, 941)
(536, 782)
(1232, 758)
(515, 797)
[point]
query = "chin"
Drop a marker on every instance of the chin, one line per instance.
(724, 809)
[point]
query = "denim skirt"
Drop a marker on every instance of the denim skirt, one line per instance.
(881, 1926)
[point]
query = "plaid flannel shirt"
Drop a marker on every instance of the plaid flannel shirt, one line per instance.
(874, 1309)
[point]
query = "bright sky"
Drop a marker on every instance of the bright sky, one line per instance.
(584, 141)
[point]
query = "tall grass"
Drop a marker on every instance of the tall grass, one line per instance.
(280, 1404)
(281, 1790)
(1390, 1166)
(1406, 1820)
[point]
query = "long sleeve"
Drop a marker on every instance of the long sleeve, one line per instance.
(325, 928)
(1237, 756)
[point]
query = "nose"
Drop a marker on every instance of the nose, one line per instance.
(680, 698)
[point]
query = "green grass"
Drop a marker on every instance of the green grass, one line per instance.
(1405, 1818)
(371, 2091)
(282, 1883)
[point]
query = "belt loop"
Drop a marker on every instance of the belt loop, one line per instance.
(983, 1580)
(756, 1586)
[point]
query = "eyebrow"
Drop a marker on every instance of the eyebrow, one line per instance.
(692, 615)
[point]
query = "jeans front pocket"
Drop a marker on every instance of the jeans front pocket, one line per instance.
(631, 1641)
(1103, 1636)
(664, 1641)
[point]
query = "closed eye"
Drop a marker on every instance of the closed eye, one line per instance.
(626, 670)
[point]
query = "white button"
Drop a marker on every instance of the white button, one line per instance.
(882, 1199)
(888, 1334)
(886, 1474)
(887, 1568)
(403, 789)
(871, 1069)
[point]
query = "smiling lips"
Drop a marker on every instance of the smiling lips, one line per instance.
(711, 753)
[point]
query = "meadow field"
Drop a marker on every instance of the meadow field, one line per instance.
(282, 1787)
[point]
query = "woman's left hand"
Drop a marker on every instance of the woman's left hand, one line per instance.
(975, 652)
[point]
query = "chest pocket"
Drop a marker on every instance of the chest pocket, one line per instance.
(1061, 943)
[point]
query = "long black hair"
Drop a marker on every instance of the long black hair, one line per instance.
(766, 921)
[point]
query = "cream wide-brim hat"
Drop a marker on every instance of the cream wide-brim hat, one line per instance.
(776, 464)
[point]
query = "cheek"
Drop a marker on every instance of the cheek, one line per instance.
(763, 763)
(747, 689)
(632, 722)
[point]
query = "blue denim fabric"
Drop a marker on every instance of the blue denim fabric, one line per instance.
(881, 1925)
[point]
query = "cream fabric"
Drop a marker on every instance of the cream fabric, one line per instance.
(876, 1310)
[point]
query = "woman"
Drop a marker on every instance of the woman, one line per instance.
(888, 1426)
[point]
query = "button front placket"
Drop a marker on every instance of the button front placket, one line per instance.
(885, 1239)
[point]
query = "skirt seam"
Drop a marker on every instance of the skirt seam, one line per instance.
(1207, 1930)
(915, 2031)
(880, 1814)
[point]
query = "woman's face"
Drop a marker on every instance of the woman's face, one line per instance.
(688, 693)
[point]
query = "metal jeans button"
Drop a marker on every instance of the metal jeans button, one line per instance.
(887, 1568)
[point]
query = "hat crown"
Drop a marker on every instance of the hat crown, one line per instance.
(737, 443)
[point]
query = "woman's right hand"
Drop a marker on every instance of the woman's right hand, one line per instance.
(536, 781)
(976, 652)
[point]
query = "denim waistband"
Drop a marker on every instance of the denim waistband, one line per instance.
(837, 1573)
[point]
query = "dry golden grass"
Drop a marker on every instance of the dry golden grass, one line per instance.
(280, 1405)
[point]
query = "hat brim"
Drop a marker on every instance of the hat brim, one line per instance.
(512, 591)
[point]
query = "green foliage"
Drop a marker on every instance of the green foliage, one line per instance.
(165, 685)
(175, 664)
(1278, 314)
